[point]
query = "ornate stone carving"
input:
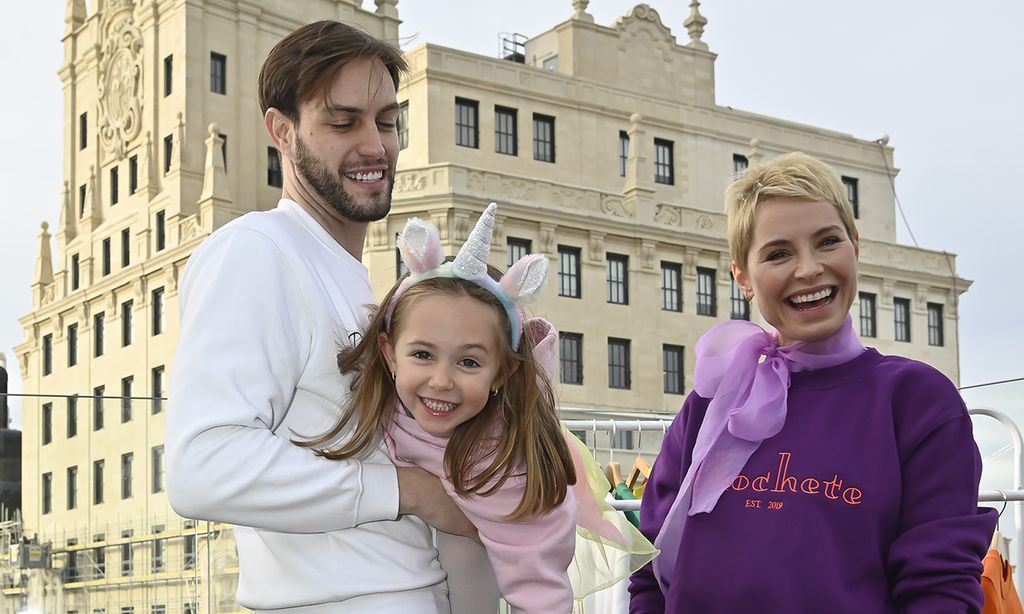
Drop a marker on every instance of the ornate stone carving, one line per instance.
(647, 251)
(547, 238)
(462, 226)
(189, 228)
(47, 296)
(668, 215)
(440, 221)
(705, 222)
(120, 78)
(410, 182)
(615, 206)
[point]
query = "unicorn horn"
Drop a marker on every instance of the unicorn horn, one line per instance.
(471, 261)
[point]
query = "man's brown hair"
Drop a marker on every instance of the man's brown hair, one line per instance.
(304, 63)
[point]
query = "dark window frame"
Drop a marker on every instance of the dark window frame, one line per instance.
(97, 481)
(506, 130)
(617, 278)
(901, 314)
(673, 363)
(664, 162)
(72, 344)
(518, 248)
(46, 417)
(544, 138)
(868, 307)
(671, 294)
(852, 186)
(739, 308)
(570, 281)
(707, 302)
(127, 323)
(168, 75)
(127, 460)
(157, 326)
(97, 407)
(936, 328)
(619, 368)
(623, 152)
(570, 357)
(402, 124)
(218, 73)
(740, 164)
(114, 184)
(133, 174)
(467, 123)
(47, 354)
(83, 130)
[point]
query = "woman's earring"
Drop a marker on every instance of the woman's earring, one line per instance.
(494, 392)
(394, 376)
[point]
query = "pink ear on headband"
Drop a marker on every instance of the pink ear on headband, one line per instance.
(524, 281)
(420, 246)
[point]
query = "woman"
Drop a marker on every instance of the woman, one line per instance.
(806, 473)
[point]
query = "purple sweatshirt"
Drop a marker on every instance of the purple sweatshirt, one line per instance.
(865, 501)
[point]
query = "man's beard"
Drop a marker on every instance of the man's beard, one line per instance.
(330, 187)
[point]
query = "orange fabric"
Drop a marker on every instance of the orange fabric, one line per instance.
(997, 585)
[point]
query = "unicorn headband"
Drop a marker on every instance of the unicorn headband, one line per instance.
(420, 246)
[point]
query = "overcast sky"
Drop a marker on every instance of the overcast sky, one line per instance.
(943, 79)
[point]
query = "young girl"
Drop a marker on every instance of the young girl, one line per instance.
(458, 382)
(806, 473)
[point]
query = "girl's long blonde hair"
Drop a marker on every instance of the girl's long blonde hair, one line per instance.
(478, 458)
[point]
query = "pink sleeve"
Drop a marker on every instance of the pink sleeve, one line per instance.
(530, 557)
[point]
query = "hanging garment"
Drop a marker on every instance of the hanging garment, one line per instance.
(997, 586)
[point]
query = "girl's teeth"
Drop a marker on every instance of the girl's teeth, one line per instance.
(437, 406)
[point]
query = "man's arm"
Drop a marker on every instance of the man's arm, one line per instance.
(245, 338)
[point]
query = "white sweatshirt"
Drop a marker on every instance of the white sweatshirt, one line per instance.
(266, 302)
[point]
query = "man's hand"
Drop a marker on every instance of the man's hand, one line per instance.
(421, 494)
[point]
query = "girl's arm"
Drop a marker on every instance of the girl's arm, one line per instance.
(530, 557)
(935, 562)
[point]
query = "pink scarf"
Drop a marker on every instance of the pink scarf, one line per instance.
(748, 405)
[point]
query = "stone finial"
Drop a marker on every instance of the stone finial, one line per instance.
(754, 154)
(44, 259)
(694, 24)
(387, 8)
(215, 179)
(74, 14)
(67, 223)
(580, 11)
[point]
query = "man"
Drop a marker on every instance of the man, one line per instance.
(265, 302)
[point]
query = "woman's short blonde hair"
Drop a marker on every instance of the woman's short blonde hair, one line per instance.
(792, 175)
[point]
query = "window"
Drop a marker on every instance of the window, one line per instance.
(467, 132)
(168, 75)
(127, 609)
(133, 174)
(157, 563)
(706, 292)
(97, 333)
(672, 366)
(190, 551)
(158, 311)
(663, 166)
(935, 332)
(618, 363)
(83, 130)
(168, 150)
(126, 475)
(113, 185)
(850, 184)
(218, 73)
(126, 247)
(867, 314)
(126, 560)
(161, 230)
(739, 164)
(81, 200)
(105, 257)
(739, 308)
(72, 424)
(71, 572)
(402, 125)
(99, 559)
(157, 389)
(47, 434)
(75, 278)
(126, 398)
(621, 440)
(518, 249)
(901, 308)
(274, 177)
(617, 267)
(126, 323)
(623, 152)
(569, 271)
(97, 482)
(159, 608)
(671, 286)
(47, 352)
(543, 138)
(158, 468)
(72, 487)
(190, 608)
(72, 344)
(97, 407)
(47, 492)
(570, 357)
(506, 131)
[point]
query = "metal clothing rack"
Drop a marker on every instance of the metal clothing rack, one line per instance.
(1014, 495)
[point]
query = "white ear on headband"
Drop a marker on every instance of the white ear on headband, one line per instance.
(420, 246)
